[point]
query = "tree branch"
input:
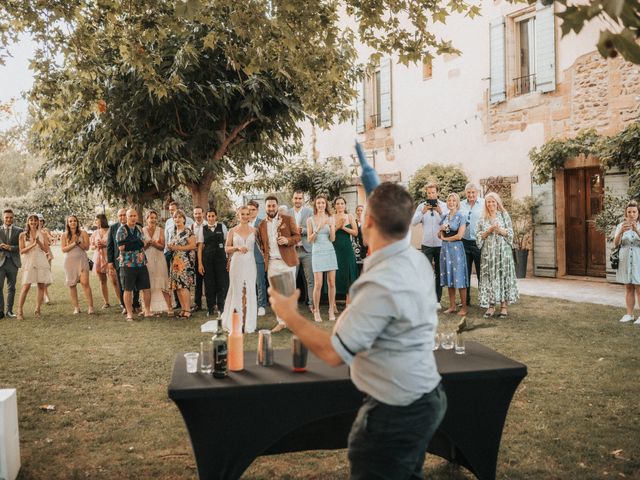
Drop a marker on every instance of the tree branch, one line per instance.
(231, 137)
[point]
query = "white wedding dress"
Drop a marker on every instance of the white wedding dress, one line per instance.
(242, 274)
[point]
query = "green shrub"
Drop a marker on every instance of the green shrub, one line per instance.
(450, 179)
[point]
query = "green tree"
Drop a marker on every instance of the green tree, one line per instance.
(151, 95)
(449, 178)
(622, 15)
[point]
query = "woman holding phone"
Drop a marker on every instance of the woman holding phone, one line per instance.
(627, 237)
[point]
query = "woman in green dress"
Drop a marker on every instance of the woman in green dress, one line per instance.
(347, 267)
(494, 235)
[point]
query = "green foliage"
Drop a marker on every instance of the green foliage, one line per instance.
(624, 14)
(522, 212)
(552, 155)
(312, 178)
(450, 179)
(151, 95)
(623, 151)
(612, 213)
(54, 203)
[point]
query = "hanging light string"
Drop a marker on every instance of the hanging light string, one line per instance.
(411, 142)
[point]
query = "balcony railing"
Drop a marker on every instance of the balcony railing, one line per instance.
(526, 84)
(374, 120)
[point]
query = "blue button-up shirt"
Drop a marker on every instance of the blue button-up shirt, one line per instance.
(471, 215)
(430, 224)
(386, 333)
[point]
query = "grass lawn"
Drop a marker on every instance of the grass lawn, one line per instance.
(576, 415)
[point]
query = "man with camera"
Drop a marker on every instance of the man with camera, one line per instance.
(429, 213)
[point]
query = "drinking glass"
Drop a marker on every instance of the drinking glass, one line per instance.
(436, 341)
(192, 361)
(447, 341)
(206, 356)
(460, 350)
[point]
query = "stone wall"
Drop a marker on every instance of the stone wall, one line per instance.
(592, 93)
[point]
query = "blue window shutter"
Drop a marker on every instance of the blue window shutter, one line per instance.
(497, 83)
(545, 48)
(385, 92)
(360, 107)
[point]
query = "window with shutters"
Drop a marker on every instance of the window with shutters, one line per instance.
(525, 80)
(376, 91)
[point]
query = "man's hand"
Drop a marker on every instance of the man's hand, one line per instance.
(426, 208)
(4, 246)
(283, 306)
(283, 240)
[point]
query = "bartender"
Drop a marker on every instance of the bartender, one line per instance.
(212, 262)
(386, 336)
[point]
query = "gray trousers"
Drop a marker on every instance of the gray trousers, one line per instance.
(8, 271)
(307, 270)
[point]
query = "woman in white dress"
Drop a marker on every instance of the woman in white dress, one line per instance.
(157, 265)
(34, 246)
(242, 273)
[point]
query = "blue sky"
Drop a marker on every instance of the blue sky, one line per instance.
(15, 76)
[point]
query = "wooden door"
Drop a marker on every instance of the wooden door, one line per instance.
(585, 246)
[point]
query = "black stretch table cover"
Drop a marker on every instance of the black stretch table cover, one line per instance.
(269, 410)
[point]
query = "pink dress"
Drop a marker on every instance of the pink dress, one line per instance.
(100, 253)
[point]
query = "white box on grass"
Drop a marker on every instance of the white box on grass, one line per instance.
(9, 439)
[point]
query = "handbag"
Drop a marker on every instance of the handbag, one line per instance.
(614, 258)
(90, 264)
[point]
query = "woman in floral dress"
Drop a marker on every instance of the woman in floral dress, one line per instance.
(182, 244)
(494, 235)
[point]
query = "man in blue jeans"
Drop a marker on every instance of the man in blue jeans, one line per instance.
(386, 336)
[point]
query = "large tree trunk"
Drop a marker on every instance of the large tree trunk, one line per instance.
(200, 193)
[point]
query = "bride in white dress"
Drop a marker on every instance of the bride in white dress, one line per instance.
(242, 273)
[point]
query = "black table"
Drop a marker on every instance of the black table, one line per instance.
(270, 410)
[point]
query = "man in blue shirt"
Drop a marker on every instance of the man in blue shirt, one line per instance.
(472, 208)
(386, 336)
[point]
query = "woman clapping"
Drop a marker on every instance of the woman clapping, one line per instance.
(75, 243)
(34, 247)
(182, 244)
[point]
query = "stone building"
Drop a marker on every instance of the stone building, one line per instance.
(517, 84)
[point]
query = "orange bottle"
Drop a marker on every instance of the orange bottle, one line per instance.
(236, 347)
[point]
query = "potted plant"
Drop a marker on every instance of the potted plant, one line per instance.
(522, 212)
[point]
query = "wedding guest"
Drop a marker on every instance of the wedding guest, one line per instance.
(241, 296)
(359, 247)
(212, 261)
(159, 288)
(9, 261)
(386, 337)
(453, 262)
(34, 245)
(198, 223)
(169, 228)
(494, 234)
(51, 239)
(98, 242)
(278, 236)
(301, 214)
(322, 233)
(113, 265)
(261, 284)
(134, 275)
(75, 243)
(345, 228)
(182, 245)
(472, 208)
(627, 237)
(430, 213)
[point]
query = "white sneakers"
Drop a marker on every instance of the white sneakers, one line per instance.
(262, 313)
(637, 322)
(439, 306)
(628, 318)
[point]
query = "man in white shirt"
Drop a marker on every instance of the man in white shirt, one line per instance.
(472, 208)
(301, 213)
(430, 213)
(198, 223)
